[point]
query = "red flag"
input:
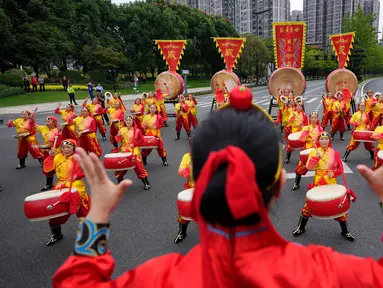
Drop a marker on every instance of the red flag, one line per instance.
(172, 51)
(289, 44)
(342, 45)
(230, 49)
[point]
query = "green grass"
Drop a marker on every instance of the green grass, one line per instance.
(57, 96)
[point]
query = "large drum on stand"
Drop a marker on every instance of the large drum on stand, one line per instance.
(171, 84)
(223, 79)
(287, 78)
(340, 78)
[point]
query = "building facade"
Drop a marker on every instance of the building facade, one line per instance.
(296, 16)
(373, 6)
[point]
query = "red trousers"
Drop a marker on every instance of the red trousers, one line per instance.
(160, 150)
(193, 120)
(139, 170)
(181, 121)
(90, 143)
(113, 133)
(163, 113)
(81, 213)
(138, 124)
(354, 144)
(338, 124)
(25, 144)
(279, 116)
(376, 163)
(301, 169)
(348, 116)
(100, 124)
(376, 121)
(326, 118)
(69, 134)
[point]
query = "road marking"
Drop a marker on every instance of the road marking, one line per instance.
(314, 89)
(311, 100)
(346, 170)
(361, 90)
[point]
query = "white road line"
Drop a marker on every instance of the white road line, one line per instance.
(314, 89)
(311, 100)
(263, 101)
(346, 169)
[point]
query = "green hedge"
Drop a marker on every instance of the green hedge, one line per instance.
(13, 77)
(11, 91)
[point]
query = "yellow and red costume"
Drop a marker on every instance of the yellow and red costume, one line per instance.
(339, 110)
(97, 111)
(360, 120)
(151, 100)
(182, 116)
(287, 112)
(68, 131)
(327, 110)
(88, 140)
(368, 106)
(346, 94)
(152, 125)
(26, 143)
(130, 139)
(378, 135)
(219, 98)
(161, 102)
(297, 120)
(116, 122)
(376, 111)
(329, 161)
(138, 110)
(67, 169)
(192, 104)
(114, 100)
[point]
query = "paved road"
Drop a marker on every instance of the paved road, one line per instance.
(144, 224)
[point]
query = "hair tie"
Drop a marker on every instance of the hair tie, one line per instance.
(241, 98)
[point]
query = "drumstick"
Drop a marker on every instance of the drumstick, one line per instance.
(54, 144)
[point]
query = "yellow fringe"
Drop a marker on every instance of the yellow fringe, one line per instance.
(169, 41)
(230, 38)
(351, 45)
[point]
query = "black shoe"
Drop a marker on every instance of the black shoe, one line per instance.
(164, 161)
(332, 136)
(46, 188)
(166, 124)
(349, 127)
(297, 182)
(144, 159)
(181, 233)
(346, 155)
(345, 233)
(103, 137)
(56, 235)
(1, 188)
(146, 183)
(189, 135)
(20, 166)
(288, 155)
(372, 155)
(301, 226)
(341, 137)
(178, 136)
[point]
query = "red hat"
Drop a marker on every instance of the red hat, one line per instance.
(69, 142)
(54, 119)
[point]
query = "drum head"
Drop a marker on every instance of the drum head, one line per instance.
(186, 195)
(294, 136)
(306, 152)
(223, 79)
(326, 192)
(48, 194)
(117, 155)
(287, 78)
(174, 84)
(343, 77)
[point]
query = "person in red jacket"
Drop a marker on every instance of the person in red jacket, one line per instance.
(238, 176)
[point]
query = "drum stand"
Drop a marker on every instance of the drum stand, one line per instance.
(174, 102)
(213, 105)
(273, 104)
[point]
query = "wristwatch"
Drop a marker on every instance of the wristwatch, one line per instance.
(92, 238)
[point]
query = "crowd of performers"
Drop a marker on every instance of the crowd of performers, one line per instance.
(126, 135)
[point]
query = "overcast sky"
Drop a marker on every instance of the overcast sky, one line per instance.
(295, 5)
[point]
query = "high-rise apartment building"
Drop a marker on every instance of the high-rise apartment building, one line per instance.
(373, 6)
(296, 16)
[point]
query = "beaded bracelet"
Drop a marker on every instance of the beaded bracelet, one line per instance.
(91, 239)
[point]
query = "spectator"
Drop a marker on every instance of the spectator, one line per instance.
(99, 88)
(135, 81)
(90, 90)
(27, 87)
(71, 94)
(34, 84)
(64, 81)
(42, 84)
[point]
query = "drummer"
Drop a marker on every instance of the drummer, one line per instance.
(143, 101)
(138, 110)
(86, 125)
(370, 94)
(152, 100)
(192, 104)
(309, 135)
(327, 165)
(67, 115)
(339, 116)
(347, 97)
(152, 124)
(377, 110)
(116, 114)
(182, 117)
(161, 102)
(361, 121)
(67, 170)
(96, 111)
(116, 99)
(51, 135)
(327, 103)
(219, 98)
(26, 130)
(377, 135)
(130, 138)
(288, 110)
(298, 119)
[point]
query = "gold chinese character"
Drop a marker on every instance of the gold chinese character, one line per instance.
(171, 54)
(229, 52)
(281, 30)
(289, 63)
(289, 49)
(289, 41)
(341, 50)
(296, 30)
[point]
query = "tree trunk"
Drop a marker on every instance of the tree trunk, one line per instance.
(64, 66)
(36, 69)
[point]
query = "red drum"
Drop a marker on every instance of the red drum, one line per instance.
(379, 158)
(340, 78)
(150, 142)
(362, 136)
(328, 201)
(184, 200)
(46, 205)
(294, 142)
(304, 155)
(287, 78)
(170, 83)
(223, 79)
(119, 161)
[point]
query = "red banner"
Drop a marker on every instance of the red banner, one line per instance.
(342, 45)
(172, 51)
(289, 44)
(230, 49)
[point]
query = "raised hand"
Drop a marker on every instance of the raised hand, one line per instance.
(374, 179)
(105, 194)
